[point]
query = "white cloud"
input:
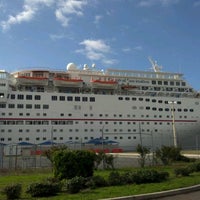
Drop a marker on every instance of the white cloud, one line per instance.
(65, 8)
(97, 19)
(96, 50)
(148, 3)
(30, 7)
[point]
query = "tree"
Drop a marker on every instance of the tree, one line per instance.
(71, 163)
(143, 151)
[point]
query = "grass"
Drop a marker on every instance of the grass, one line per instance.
(27, 177)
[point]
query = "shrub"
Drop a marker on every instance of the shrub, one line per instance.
(114, 178)
(75, 184)
(194, 167)
(12, 191)
(143, 151)
(70, 163)
(182, 171)
(43, 189)
(168, 154)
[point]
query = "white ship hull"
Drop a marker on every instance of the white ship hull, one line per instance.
(139, 117)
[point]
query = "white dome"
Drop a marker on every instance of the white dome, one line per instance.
(71, 66)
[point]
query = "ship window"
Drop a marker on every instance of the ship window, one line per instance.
(185, 110)
(37, 138)
(37, 106)
(159, 82)
(165, 83)
(179, 109)
(191, 110)
(45, 106)
(127, 98)
(147, 100)
(120, 98)
(183, 84)
(54, 98)
(12, 96)
(147, 108)
(154, 100)
(178, 102)
(134, 98)
(37, 97)
(154, 108)
(177, 83)
(20, 106)
(20, 139)
(2, 105)
(153, 82)
(84, 99)
(11, 105)
(160, 101)
(140, 99)
(69, 98)
(77, 98)
(28, 106)
(28, 97)
(20, 96)
(62, 98)
(171, 83)
(92, 99)
(160, 109)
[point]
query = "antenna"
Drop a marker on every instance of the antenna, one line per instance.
(154, 64)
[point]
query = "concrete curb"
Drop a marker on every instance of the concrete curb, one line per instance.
(158, 194)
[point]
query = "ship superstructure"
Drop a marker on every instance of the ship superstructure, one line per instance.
(125, 106)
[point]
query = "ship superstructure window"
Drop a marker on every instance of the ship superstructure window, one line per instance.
(12, 96)
(134, 99)
(28, 106)
(37, 97)
(45, 106)
(77, 98)
(37, 106)
(20, 96)
(54, 98)
(92, 99)
(120, 98)
(165, 82)
(28, 97)
(84, 99)
(11, 105)
(62, 98)
(69, 98)
(3, 105)
(20, 106)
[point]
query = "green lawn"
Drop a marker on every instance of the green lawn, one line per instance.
(25, 178)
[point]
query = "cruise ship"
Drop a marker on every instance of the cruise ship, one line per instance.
(127, 107)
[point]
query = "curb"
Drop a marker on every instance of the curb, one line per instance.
(158, 194)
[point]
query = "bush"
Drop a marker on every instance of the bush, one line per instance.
(169, 154)
(44, 189)
(194, 167)
(75, 184)
(71, 163)
(114, 178)
(12, 191)
(182, 171)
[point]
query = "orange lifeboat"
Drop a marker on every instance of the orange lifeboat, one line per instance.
(67, 82)
(31, 80)
(110, 83)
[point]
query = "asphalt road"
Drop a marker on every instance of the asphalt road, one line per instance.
(188, 196)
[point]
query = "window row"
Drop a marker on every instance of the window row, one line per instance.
(71, 98)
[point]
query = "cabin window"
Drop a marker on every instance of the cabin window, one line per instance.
(54, 98)
(12, 96)
(62, 98)
(69, 98)
(20, 96)
(37, 97)
(28, 97)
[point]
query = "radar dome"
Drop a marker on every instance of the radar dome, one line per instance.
(71, 66)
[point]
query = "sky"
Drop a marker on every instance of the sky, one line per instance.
(119, 34)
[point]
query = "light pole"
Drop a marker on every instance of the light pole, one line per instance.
(173, 122)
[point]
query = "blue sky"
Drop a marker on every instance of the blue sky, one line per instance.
(117, 34)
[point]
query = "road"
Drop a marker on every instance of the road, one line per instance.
(188, 196)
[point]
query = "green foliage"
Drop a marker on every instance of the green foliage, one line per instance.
(182, 171)
(107, 160)
(168, 154)
(68, 163)
(194, 167)
(97, 181)
(12, 191)
(75, 184)
(44, 189)
(114, 178)
(143, 151)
